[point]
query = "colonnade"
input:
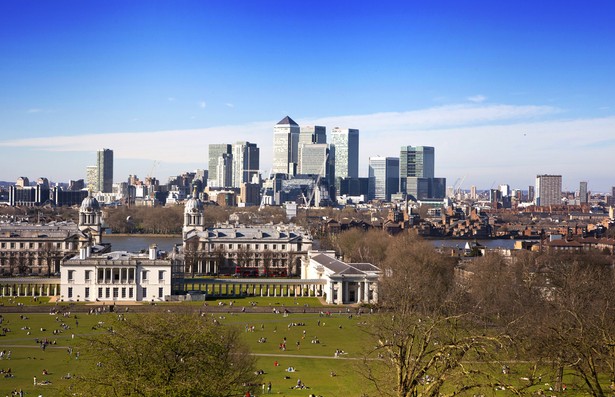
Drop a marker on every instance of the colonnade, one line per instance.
(30, 289)
(269, 288)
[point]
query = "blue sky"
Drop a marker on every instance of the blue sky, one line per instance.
(503, 90)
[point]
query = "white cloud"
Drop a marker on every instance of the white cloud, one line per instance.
(501, 143)
(202, 104)
(35, 110)
(171, 99)
(229, 105)
(477, 98)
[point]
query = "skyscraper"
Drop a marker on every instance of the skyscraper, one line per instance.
(416, 173)
(346, 142)
(312, 134)
(216, 150)
(548, 190)
(383, 177)
(583, 193)
(224, 170)
(104, 165)
(245, 162)
(285, 146)
(417, 161)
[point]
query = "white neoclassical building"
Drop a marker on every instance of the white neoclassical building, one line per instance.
(97, 275)
(116, 276)
(346, 283)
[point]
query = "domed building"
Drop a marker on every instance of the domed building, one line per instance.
(38, 248)
(90, 224)
(194, 219)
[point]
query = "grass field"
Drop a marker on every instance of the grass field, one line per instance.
(313, 362)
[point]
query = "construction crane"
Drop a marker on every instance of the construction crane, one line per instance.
(316, 184)
(260, 207)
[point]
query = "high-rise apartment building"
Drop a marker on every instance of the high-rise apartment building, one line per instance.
(312, 134)
(285, 146)
(383, 176)
(224, 171)
(216, 150)
(104, 165)
(583, 197)
(548, 190)
(246, 162)
(346, 142)
(473, 195)
(91, 178)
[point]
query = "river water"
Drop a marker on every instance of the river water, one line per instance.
(136, 243)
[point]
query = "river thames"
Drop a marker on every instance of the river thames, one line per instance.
(136, 243)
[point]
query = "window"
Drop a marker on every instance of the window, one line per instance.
(265, 246)
(230, 246)
(70, 292)
(87, 275)
(107, 292)
(100, 292)
(274, 247)
(101, 275)
(130, 292)
(160, 292)
(115, 292)
(71, 275)
(283, 247)
(161, 275)
(20, 245)
(144, 293)
(144, 275)
(255, 246)
(123, 292)
(87, 292)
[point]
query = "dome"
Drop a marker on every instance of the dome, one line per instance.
(193, 205)
(89, 204)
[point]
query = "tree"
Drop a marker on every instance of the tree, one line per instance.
(166, 354)
(422, 338)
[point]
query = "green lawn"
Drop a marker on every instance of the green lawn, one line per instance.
(313, 362)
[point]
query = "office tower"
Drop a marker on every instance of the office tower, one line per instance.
(91, 178)
(417, 161)
(224, 170)
(216, 150)
(473, 195)
(383, 177)
(346, 142)
(312, 134)
(104, 165)
(548, 190)
(318, 159)
(285, 146)
(583, 193)
(505, 190)
(416, 173)
(245, 162)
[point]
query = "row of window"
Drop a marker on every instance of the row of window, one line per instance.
(33, 245)
(115, 275)
(116, 291)
(274, 247)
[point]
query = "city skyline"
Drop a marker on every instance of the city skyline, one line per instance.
(504, 92)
